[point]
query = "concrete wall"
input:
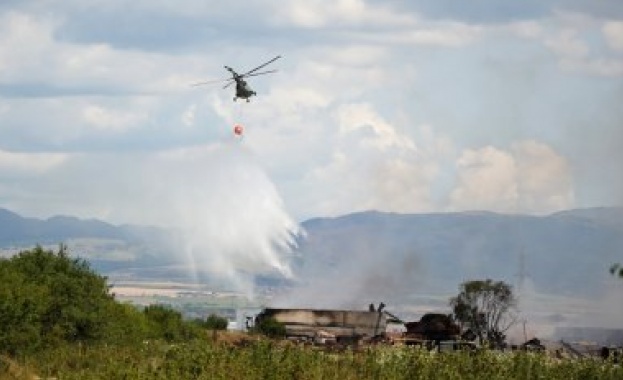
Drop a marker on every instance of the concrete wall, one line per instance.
(346, 322)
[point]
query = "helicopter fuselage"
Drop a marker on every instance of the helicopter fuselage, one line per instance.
(243, 91)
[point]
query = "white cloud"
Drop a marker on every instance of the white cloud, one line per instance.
(112, 119)
(31, 53)
(354, 117)
(25, 164)
(357, 56)
(613, 33)
(570, 37)
(530, 178)
(568, 44)
(24, 41)
(445, 34)
(486, 181)
(374, 164)
(316, 14)
(188, 117)
(355, 79)
(526, 29)
(544, 179)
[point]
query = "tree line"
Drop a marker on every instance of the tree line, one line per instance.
(48, 299)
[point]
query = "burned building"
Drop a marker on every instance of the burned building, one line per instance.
(337, 325)
(433, 327)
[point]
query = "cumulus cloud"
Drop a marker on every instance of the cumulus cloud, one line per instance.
(375, 165)
(110, 119)
(353, 117)
(569, 38)
(315, 14)
(24, 40)
(486, 181)
(531, 177)
(613, 33)
(31, 53)
(357, 84)
(544, 178)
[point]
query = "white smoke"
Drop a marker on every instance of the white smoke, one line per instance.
(231, 216)
(231, 221)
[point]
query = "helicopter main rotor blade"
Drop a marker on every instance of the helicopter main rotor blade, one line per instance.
(261, 73)
(262, 65)
(208, 82)
(231, 81)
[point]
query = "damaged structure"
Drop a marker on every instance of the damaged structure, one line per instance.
(326, 326)
(433, 330)
(433, 327)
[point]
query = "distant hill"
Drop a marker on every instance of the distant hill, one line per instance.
(18, 230)
(105, 245)
(377, 255)
(373, 255)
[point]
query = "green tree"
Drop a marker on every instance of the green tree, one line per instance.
(215, 322)
(165, 322)
(22, 305)
(486, 307)
(49, 298)
(270, 327)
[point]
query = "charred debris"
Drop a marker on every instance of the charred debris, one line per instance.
(434, 331)
(373, 326)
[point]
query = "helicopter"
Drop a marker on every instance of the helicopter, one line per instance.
(243, 91)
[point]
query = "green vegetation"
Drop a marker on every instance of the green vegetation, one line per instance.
(48, 299)
(214, 322)
(58, 320)
(261, 359)
(270, 327)
(485, 307)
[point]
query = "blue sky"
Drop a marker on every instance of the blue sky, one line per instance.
(420, 106)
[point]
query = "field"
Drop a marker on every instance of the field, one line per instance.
(249, 357)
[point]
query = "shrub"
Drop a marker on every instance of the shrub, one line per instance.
(215, 322)
(270, 327)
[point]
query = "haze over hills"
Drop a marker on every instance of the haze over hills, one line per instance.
(370, 256)
(558, 264)
(554, 251)
(565, 253)
(106, 246)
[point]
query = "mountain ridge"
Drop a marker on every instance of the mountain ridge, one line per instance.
(388, 250)
(564, 252)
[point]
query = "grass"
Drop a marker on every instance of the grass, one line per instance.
(250, 358)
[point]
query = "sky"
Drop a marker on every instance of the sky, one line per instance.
(409, 107)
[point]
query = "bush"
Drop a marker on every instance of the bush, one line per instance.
(270, 327)
(214, 322)
(48, 299)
